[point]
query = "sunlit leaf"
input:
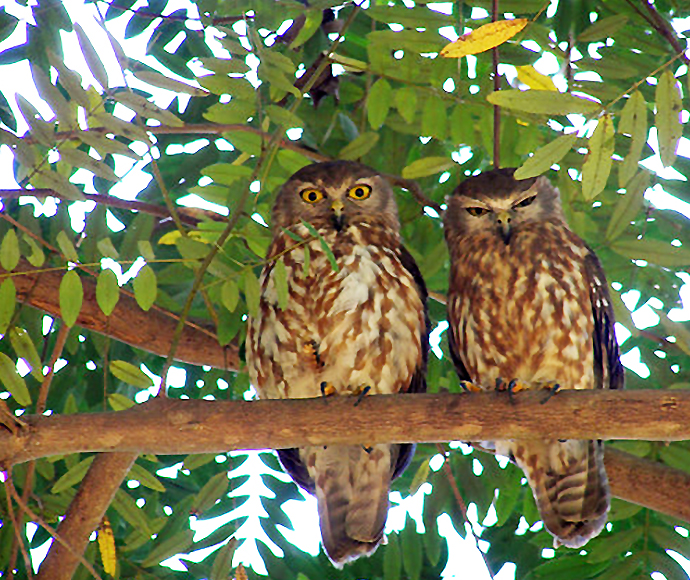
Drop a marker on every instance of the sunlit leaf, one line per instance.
(546, 156)
(74, 476)
(145, 287)
(8, 300)
(252, 292)
(378, 103)
(629, 205)
(93, 60)
(634, 123)
(71, 297)
(529, 76)
(668, 122)
(653, 251)
(427, 166)
(9, 250)
(597, 166)
(106, 547)
(25, 348)
(359, 146)
(13, 382)
(543, 102)
(484, 38)
(230, 294)
(107, 291)
(130, 374)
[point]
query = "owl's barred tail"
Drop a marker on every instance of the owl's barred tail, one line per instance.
(352, 487)
(570, 487)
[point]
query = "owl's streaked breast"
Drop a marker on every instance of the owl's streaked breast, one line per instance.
(523, 310)
(343, 327)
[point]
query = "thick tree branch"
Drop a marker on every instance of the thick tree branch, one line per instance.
(188, 426)
(151, 331)
(85, 513)
(169, 426)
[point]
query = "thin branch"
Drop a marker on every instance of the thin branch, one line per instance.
(150, 331)
(660, 24)
(416, 191)
(497, 87)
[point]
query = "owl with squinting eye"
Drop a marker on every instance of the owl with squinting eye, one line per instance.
(354, 322)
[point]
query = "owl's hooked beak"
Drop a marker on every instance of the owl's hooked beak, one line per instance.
(503, 219)
(338, 218)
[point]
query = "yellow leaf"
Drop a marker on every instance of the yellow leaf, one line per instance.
(485, 37)
(529, 76)
(106, 545)
(170, 239)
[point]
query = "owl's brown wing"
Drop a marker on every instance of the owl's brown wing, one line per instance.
(290, 458)
(460, 369)
(608, 370)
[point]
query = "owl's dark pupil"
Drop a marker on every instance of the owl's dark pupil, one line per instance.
(359, 192)
(312, 196)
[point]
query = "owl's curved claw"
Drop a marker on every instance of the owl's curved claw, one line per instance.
(552, 388)
(327, 389)
(470, 387)
(363, 391)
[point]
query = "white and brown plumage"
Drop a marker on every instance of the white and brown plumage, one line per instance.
(528, 300)
(361, 325)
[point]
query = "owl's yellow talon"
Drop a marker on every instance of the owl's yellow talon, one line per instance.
(470, 387)
(327, 389)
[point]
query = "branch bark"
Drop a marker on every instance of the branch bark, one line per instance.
(176, 426)
(151, 331)
(85, 513)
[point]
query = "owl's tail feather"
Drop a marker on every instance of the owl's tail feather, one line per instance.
(352, 487)
(570, 487)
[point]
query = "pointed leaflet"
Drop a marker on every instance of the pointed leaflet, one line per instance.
(8, 300)
(13, 382)
(484, 38)
(130, 374)
(535, 80)
(597, 166)
(107, 291)
(634, 123)
(67, 247)
(73, 476)
(145, 287)
(91, 56)
(654, 251)
(252, 292)
(543, 102)
(628, 206)
(106, 546)
(359, 146)
(378, 103)
(9, 251)
(230, 294)
(324, 245)
(406, 103)
(280, 281)
(222, 564)
(427, 166)
(546, 156)
(24, 348)
(668, 123)
(71, 297)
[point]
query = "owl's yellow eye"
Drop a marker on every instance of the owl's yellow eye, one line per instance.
(476, 211)
(360, 192)
(311, 195)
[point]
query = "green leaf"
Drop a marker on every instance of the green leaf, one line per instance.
(603, 28)
(8, 300)
(324, 245)
(118, 402)
(392, 564)
(628, 206)
(146, 250)
(106, 248)
(74, 476)
(252, 292)
(24, 348)
(9, 251)
(543, 102)
(71, 297)
(406, 103)
(280, 281)
(222, 563)
(130, 512)
(411, 544)
(307, 260)
(36, 258)
(434, 119)
(360, 146)
(130, 374)
(378, 103)
(668, 122)
(546, 156)
(312, 22)
(79, 159)
(420, 477)
(427, 166)
(226, 173)
(146, 108)
(613, 545)
(145, 478)
(162, 550)
(230, 294)
(669, 539)
(653, 251)
(597, 166)
(93, 61)
(283, 117)
(13, 382)
(67, 247)
(634, 123)
(107, 291)
(145, 287)
(214, 489)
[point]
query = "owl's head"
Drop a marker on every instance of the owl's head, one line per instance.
(337, 195)
(495, 203)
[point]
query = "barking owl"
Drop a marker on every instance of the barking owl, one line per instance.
(528, 300)
(354, 320)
